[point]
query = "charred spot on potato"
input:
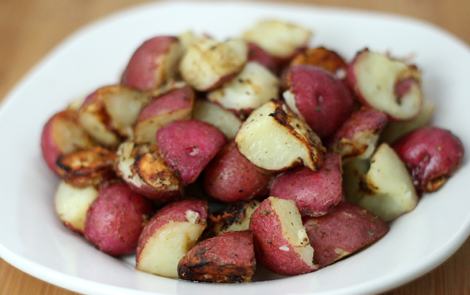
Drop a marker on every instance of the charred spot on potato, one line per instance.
(86, 167)
(204, 271)
(322, 57)
(153, 170)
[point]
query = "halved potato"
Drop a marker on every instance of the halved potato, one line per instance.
(72, 203)
(208, 63)
(386, 84)
(281, 239)
(387, 188)
(279, 38)
(228, 258)
(142, 168)
(359, 134)
(252, 87)
(109, 113)
(88, 167)
(223, 119)
(169, 235)
(154, 63)
(176, 104)
(273, 138)
(62, 134)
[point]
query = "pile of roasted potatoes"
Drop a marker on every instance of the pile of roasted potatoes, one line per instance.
(211, 157)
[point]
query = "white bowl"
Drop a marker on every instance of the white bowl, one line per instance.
(32, 239)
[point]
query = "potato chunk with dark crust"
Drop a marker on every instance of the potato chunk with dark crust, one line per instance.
(228, 258)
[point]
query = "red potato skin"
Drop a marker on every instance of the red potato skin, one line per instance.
(188, 146)
(228, 258)
(140, 71)
(268, 238)
(432, 155)
(173, 212)
(323, 101)
(314, 192)
(347, 227)
(365, 120)
(230, 177)
(50, 147)
(116, 219)
(178, 99)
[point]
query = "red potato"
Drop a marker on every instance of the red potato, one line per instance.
(109, 113)
(177, 104)
(146, 173)
(228, 258)
(259, 55)
(359, 134)
(386, 84)
(432, 155)
(324, 58)
(188, 146)
(154, 63)
(314, 192)
(72, 204)
(252, 87)
(318, 97)
(62, 135)
(278, 38)
(235, 217)
(208, 63)
(116, 219)
(169, 235)
(230, 177)
(274, 139)
(225, 120)
(89, 167)
(281, 242)
(344, 231)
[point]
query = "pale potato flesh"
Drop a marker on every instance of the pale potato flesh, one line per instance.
(207, 61)
(392, 192)
(72, 203)
(187, 38)
(97, 130)
(274, 144)
(75, 104)
(376, 76)
(217, 116)
(252, 87)
(167, 64)
(69, 136)
(145, 131)
(278, 38)
(354, 170)
(165, 248)
(292, 228)
(124, 107)
(396, 129)
(289, 99)
(243, 224)
(125, 162)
